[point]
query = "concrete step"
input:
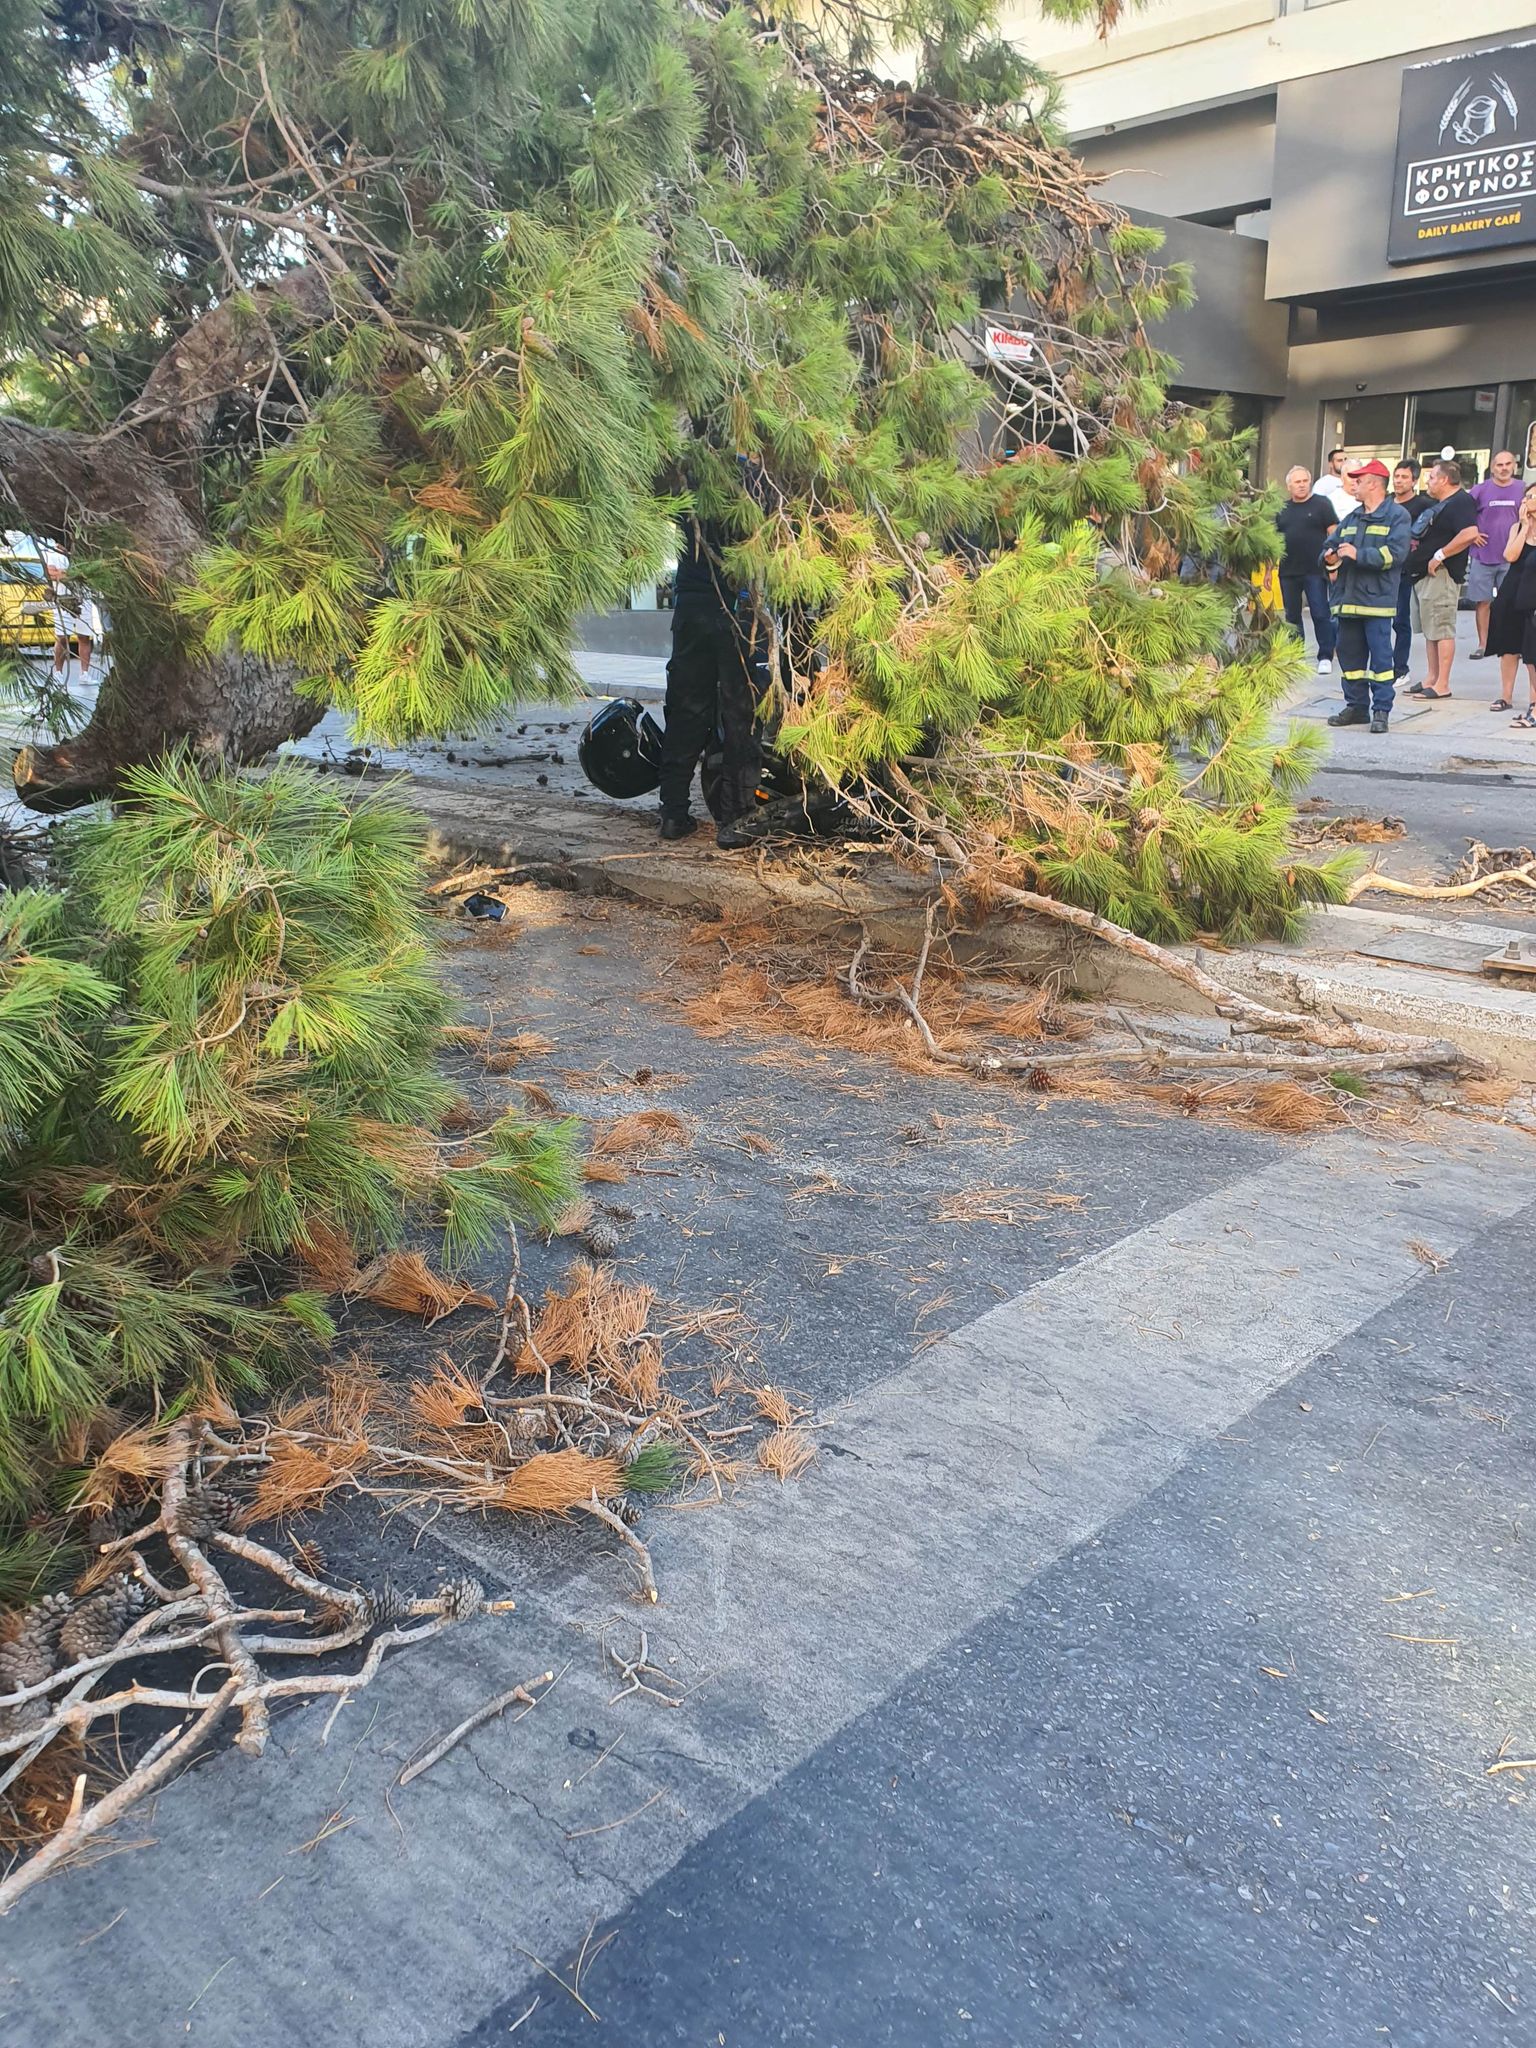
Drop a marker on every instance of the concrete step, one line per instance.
(1339, 966)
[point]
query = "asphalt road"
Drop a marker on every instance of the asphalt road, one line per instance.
(1126, 1670)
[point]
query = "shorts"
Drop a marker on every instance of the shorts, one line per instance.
(1435, 599)
(1483, 580)
(78, 620)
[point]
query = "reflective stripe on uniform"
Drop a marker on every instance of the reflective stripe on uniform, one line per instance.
(1367, 611)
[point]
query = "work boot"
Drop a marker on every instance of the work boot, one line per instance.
(1350, 715)
(674, 827)
(738, 832)
(1378, 721)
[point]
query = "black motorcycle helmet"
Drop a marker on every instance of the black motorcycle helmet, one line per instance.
(620, 751)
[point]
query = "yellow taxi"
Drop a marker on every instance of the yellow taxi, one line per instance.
(26, 601)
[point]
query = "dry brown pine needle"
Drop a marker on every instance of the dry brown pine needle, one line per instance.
(774, 1405)
(554, 1482)
(404, 1280)
(444, 1400)
(511, 1052)
(785, 1453)
(639, 1135)
(605, 1172)
(1002, 1205)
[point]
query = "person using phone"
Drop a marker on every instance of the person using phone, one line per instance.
(1512, 619)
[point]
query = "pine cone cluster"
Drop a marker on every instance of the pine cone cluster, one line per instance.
(96, 1622)
(30, 1656)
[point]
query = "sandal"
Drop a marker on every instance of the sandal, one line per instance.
(1501, 704)
(1527, 718)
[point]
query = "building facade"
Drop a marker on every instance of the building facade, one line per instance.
(1357, 196)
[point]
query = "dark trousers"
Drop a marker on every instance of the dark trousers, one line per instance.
(1315, 590)
(1365, 661)
(709, 691)
(1402, 630)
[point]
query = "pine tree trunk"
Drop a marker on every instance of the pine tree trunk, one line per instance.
(225, 707)
(138, 489)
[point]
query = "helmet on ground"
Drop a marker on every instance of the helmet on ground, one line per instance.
(620, 751)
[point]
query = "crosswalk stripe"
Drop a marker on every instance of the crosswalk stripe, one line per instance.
(940, 1491)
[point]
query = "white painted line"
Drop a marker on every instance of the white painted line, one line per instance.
(953, 1483)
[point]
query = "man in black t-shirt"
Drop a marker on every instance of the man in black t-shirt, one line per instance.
(1304, 520)
(1406, 492)
(1437, 567)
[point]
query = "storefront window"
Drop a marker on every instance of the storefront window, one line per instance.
(1422, 423)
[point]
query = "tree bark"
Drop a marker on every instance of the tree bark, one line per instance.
(140, 478)
(227, 707)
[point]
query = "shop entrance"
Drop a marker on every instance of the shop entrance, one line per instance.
(1422, 423)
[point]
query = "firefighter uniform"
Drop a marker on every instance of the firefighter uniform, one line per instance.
(1365, 600)
(710, 690)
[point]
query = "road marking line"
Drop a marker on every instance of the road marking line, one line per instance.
(941, 1492)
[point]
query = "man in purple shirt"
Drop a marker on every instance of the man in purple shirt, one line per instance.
(1498, 507)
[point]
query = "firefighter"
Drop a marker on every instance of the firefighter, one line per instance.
(709, 690)
(1366, 551)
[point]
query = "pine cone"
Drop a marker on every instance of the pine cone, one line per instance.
(462, 1598)
(387, 1603)
(206, 1509)
(599, 1240)
(628, 1510)
(97, 1624)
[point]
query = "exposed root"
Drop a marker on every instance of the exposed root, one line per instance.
(64, 1706)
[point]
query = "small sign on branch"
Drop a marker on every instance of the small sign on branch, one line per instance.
(1007, 345)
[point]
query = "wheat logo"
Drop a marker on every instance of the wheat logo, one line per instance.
(1472, 116)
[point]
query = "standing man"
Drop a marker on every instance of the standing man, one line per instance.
(1334, 486)
(1406, 492)
(1304, 520)
(1368, 550)
(1437, 565)
(1498, 507)
(709, 690)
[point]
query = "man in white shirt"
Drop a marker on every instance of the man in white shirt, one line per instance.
(1334, 484)
(76, 616)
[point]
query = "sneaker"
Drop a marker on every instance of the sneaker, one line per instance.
(1350, 715)
(1325, 668)
(678, 828)
(1378, 721)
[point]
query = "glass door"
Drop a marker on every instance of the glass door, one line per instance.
(1366, 427)
(1461, 421)
(1522, 427)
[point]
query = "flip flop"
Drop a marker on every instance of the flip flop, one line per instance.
(1527, 719)
(1500, 704)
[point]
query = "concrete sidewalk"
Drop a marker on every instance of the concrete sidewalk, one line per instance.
(1431, 738)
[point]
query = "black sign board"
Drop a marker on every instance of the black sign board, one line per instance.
(1466, 155)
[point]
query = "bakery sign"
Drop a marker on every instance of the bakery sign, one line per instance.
(1466, 155)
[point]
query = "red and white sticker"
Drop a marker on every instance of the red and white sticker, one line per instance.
(1008, 345)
